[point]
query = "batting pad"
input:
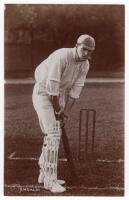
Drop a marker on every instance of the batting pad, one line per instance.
(49, 156)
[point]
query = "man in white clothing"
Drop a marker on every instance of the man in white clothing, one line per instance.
(59, 82)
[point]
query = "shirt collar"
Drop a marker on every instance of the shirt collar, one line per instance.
(74, 52)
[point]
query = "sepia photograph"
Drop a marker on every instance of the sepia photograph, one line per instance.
(64, 99)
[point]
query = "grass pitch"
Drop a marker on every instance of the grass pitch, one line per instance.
(101, 176)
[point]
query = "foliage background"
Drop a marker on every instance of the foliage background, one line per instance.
(34, 31)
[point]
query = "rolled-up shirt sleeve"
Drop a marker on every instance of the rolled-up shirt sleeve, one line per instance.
(54, 75)
(52, 87)
(75, 92)
(78, 85)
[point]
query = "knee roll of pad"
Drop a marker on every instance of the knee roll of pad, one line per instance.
(54, 129)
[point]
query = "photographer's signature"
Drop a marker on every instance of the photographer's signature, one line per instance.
(28, 189)
(25, 188)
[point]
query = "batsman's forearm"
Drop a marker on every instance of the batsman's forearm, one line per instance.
(55, 102)
(69, 104)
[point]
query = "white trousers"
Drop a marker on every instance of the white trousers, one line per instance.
(44, 109)
(46, 116)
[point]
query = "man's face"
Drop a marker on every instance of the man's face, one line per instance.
(83, 52)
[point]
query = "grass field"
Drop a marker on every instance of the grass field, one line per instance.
(101, 176)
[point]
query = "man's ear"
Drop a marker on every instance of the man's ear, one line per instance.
(77, 44)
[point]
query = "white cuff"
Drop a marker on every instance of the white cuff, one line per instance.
(52, 87)
(75, 92)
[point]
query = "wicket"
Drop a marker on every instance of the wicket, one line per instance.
(86, 126)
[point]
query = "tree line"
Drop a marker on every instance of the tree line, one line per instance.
(48, 27)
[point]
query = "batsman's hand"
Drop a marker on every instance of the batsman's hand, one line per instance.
(62, 118)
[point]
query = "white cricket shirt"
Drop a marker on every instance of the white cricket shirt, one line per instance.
(61, 74)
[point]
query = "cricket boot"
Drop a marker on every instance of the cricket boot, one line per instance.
(41, 178)
(57, 188)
